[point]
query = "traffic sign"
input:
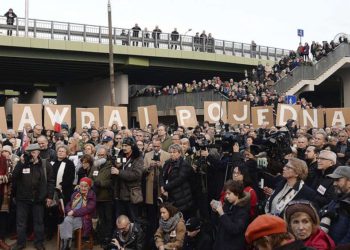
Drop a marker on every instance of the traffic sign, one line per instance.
(291, 99)
(300, 32)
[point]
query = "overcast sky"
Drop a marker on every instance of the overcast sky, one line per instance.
(270, 22)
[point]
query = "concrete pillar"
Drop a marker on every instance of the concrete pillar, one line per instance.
(345, 75)
(35, 96)
(122, 89)
(9, 104)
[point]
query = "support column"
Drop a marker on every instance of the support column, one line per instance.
(345, 75)
(122, 89)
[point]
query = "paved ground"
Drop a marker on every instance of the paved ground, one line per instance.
(50, 245)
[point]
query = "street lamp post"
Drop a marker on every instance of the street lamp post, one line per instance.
(111, 59)
(26, 17)
(187, 31)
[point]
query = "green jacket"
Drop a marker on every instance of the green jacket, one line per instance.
(102, 178)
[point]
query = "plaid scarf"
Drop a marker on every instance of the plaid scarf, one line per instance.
(79, 200)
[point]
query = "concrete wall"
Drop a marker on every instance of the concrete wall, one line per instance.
(345, 75)
(93, 94)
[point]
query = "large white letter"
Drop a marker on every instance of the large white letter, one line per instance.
(211, 108)
(115, 117)
(85, 114)
(57, 117)
(184, 115)
(244, 116)
(338, 117)
(313, 120)
(261, 117)
(27, 117)
(145, 110)
(284, 108)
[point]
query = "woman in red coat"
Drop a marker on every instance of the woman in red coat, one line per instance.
(304, 223)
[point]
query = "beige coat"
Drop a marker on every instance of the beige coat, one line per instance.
(152, 173)
(175, 242)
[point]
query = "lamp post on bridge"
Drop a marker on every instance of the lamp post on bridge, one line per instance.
(26, 17)
(187, 31)
(111, 55)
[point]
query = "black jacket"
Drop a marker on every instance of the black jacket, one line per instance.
(232, 226)
(134, 241)
(31, 184)
(48, 154)
(343, 160)
(67, 178)
(202, 241)
(323, 186)
(305, 193)
(312, 168)
(175, 180)
(295, 245)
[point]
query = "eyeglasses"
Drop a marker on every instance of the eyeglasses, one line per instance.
(322, 159)
(118, 138)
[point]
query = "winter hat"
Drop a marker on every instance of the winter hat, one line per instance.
(193, 224)
(301, 206)
(129, 141)
(7, 148)
(87, 180)
(265, 225)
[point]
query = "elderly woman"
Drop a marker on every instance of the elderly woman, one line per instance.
(79, 212)
(304, 223)
(291, 187)
(172, 229)
(174, 181)
(89, 149)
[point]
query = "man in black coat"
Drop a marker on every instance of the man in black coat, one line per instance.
(10, 20)
(343, 148)
(135, 33)
(174, 37)
(196, 238)
(311, 154)
(34, 189)
(128, 235)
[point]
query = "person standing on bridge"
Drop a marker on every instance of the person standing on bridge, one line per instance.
(156, 36)
(135, 33)
(10, 20)
(174, 37)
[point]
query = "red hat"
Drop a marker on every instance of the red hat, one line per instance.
(265, 225)
(87, 180)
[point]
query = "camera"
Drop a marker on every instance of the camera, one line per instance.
(156, 157)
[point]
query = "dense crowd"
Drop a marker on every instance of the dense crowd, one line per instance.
(209, 187)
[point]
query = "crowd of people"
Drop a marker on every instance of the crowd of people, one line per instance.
(207, 187)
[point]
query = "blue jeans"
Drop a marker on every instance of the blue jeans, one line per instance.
(37, 210)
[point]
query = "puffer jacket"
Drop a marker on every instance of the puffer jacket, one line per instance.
(174, 179)
(320, 241)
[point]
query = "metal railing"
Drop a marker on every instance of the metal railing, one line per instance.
(99, 34)
(169, 102)
(311, 72)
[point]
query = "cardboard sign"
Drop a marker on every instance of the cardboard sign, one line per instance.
(56, 113)
(337, 116)
(286, 112)
(262, 116)
(26, 113)
(148, 115)
(214, 111)
(238, 113)
(311, 118)
(115, 115)
(86, 115)
(3, 123)
(186, 116)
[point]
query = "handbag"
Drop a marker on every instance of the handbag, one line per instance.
(136, 195)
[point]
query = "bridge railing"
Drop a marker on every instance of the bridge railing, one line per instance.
(169, 102)
(306, 72)
(45, 29)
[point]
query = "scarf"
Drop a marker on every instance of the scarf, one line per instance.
(79, 200)
(291, 193)
(169, 225)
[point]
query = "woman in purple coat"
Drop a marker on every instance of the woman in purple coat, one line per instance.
(79, 211)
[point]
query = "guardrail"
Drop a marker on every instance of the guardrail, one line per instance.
(169, 102)
(99, 34)
(311, 72)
